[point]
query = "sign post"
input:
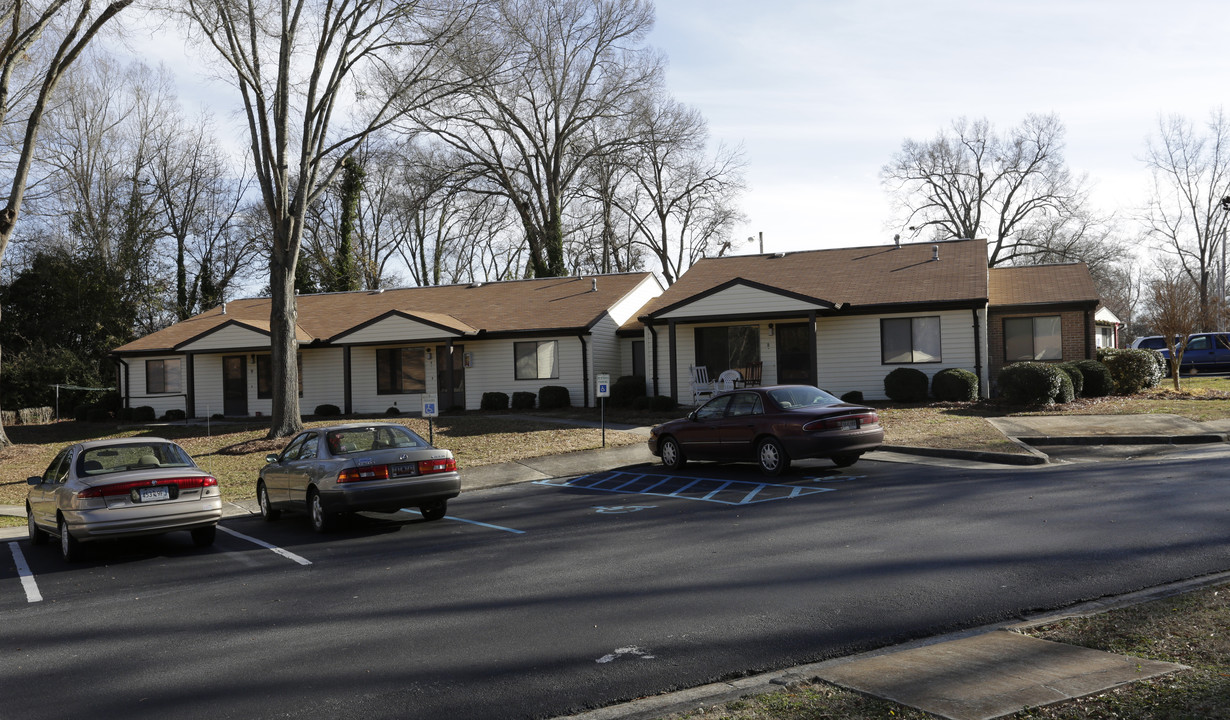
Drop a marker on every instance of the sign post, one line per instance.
(604, 392)
(431, 410)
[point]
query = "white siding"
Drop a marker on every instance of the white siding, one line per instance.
(494, 370)
(229, 338)
(740, 300)
(208, 384)
(848, 350)
(604, 353)
(363, 395)
(323, 379)
(161, 402)
(631, 303)
(395, 329)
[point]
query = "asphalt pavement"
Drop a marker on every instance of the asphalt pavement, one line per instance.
(979, 673)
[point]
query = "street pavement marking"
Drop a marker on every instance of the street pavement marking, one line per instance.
(726, 492)
(27, 577)
(483, 524)
(284, 553)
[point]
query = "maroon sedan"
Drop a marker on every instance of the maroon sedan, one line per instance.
(771, 425)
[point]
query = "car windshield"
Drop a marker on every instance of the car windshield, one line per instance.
(801, 396)
(379, 437)
(117, 458)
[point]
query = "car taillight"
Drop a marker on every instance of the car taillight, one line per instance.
(843, 422)
(124, 488)
(443, 465)
(371, 472)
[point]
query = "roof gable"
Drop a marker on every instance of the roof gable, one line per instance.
(397, 325)
(1041, 285)
(739, 297)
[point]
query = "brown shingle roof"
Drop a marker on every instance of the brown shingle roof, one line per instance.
(545, 304)
(1034, 284)
(862, 276)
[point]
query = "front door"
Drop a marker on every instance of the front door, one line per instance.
(234, 385)
(454, 395)
(793, 355)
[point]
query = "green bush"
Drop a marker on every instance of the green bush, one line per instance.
(392, 410)
(662, 403)
(1067, 391)
(553, 397)
(217, 416)
(174, 414)
(1032, 383)
(523, 401)
(493, 401)
(98, 413)
(642, 403)
(955, 385)
(143, 413)
(854, 397)
(906, 385)
(627, 389)
(1096, 378)
(1075, 375)
(327, 410)
(1132, 370)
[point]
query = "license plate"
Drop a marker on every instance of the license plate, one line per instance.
(154, 494)
(847, 424)
(402, 470)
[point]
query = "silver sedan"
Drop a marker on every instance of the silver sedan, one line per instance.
(381, 467)
(121, 488)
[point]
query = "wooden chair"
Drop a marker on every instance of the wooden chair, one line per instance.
(701, 384)
(729, 380)
(751, 375)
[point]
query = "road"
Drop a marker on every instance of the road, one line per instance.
(538, 600)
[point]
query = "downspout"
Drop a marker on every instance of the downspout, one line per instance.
(1091, 352)
(584, 370)
(346, 394)
(653, 344)
(982, 386)
(673, 360)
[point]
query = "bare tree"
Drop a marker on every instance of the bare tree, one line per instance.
(1176, 311)
(26, 24)
(296, 64)
(541, 73)
(1014, 189)
(1191, 174)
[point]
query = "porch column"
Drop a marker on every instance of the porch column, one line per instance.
(346, 396)
(673, 360)
(813, 362)
(190, 386)
(448, 377)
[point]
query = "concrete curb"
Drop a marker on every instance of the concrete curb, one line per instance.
(1124, 439)
(1032, 457)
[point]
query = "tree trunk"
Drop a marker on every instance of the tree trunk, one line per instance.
(284, 346)
(4, 439)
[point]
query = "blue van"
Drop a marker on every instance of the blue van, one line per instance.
(1206, 352)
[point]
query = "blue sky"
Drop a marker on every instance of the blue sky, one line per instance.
(821, 94)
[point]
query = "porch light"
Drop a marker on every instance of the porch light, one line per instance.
(428, 351)
(770, 329)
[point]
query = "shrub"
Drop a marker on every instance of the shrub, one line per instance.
(327, 410)
(493, 401)
(8, 418)
(174, 414)
(662, 403)
(1132, 370)
(217, 416)
(854, 396)
(523, 401)
(392, 410)
(1067, 391)
(955, 385)
(142, 413)
(35, 416)
(1074, 374)
(906, 385)
(98, 413)
(1096, 377)
(552, 397)
(627, 389)
(1031, 383)
(642, 403)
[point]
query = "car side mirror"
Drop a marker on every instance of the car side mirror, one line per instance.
(35, 480)
(270, 459)
(692, 416)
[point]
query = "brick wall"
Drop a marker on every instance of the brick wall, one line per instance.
(1076, 329)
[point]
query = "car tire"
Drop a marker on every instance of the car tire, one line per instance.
(38, 536)
(844, 460)
(772, 457)
(434, 510)
(204, 537)
(672, 455)
(262, 498)
(70, 547)
(322, 519)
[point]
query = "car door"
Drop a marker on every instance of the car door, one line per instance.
(738, 429)
(42, 497)
(299, 471)
(1198, 354)
(276, 475)
(699, 437)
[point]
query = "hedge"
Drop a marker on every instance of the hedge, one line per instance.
(494, 401)
(955, 385)
(553, 397)
(1132, 370)
(523, 401)
(1033, 383)
(906, 385)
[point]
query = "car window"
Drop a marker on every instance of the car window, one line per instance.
(292, 451)
(362, 439)
(745, 404)
(57, 471)
(104, 459)
(1223, 341)
(1200, 342)
(307, 451)
(798, 396)
(713, 409)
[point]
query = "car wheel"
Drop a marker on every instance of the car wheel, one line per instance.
(672, 454)
(434, 510)
(262, 498)
(204, 537)
(842, 460)
(70, 547)
(38, 536)
(772, 457)
(322, 520)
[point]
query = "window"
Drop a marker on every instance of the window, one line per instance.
(264, 375)
(723, 348)
(1032, 338)
(638, 358)
(163, 376)
(536, 360)
(400, 371)
(910, 340)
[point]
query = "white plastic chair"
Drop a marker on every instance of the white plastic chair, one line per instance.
(729, 379)
(701, 384)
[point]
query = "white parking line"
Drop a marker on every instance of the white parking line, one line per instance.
(27, 577)
(483, 524)
(284, 553)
